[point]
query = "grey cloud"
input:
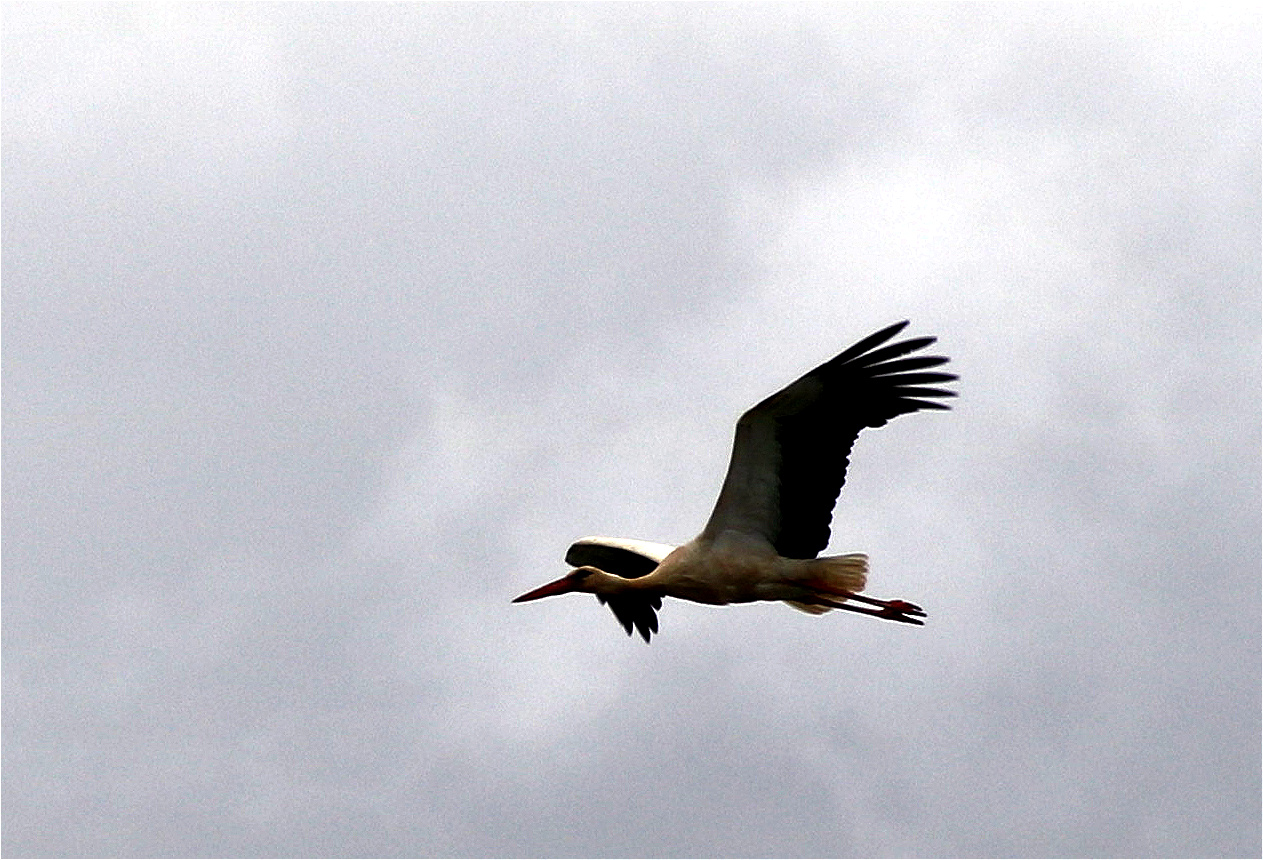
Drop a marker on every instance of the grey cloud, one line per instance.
(327, 328)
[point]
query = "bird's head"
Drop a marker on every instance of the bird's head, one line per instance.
(580, 579)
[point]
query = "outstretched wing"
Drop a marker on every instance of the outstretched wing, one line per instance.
(629, 559)
(790, 455)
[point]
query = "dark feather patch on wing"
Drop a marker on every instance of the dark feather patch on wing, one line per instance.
(791, 450)
(636, 610)
(864, 386)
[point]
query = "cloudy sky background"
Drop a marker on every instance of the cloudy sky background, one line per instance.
(327, 328)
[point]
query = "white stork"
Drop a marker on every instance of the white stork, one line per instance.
(772, 518)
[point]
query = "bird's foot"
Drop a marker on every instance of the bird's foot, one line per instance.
(901, 610)
(903, 607)
(892, 609)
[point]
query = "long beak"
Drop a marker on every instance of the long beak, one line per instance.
(561, 586)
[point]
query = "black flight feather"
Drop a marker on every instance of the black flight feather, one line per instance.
(791, 451)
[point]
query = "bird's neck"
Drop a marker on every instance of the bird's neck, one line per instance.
(609, 583)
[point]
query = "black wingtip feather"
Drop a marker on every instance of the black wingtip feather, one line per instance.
(894, 350)
(869, 342)
(922, 378)
(914, 391)
(916, 404)
(916, 362)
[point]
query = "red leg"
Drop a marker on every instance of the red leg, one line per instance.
(892, 610)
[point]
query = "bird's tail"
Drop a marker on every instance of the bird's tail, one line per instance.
(836, 577)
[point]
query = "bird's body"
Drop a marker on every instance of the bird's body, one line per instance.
(772, 518)
(729, 568)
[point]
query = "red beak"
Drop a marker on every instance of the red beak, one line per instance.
(562, 586)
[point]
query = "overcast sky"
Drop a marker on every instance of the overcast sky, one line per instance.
(327, 328)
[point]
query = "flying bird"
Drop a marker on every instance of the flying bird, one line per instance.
(772, 518)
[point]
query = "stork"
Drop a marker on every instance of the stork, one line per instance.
(772, 518)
